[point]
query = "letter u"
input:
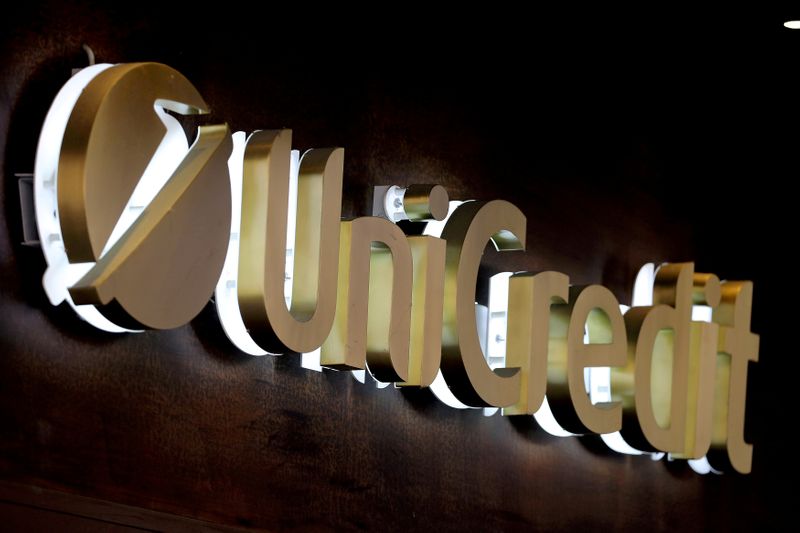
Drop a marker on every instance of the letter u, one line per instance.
(305, 325)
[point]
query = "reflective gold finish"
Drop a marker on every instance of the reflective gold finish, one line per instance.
(426, 202)
(425, 351)
(373, 309)
(111, 135)
(700, 392)
(668, 385)
(702, 359)
(658, 359)
(161, 272)
(372, 297)
(464, 367)
(737, 347)
(262, 252)
(706, 289)
(529, 332)
(591, 310)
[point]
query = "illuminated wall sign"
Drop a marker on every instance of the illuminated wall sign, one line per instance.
(139, 229)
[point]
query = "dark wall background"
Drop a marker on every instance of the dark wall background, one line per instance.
(624, 137)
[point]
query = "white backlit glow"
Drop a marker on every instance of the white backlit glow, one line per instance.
(702, 466)
(364, 376)
(498, 311)
(226, 296)
(792, 24)
(434, 228)
(60, 274)
(544, 417)
(643, 286)
(311, 360)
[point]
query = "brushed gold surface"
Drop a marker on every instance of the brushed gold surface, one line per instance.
(591, 310)
(529, 331)
(373, 311)
(737, 347)
(262, 252)
(464, 367)
(163, 269)
(653, 385)
(700, 390)
(427, 301)
(426, 202)
(110, 137)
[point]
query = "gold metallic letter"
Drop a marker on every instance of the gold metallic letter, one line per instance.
(262, 252)
(161, 271)
(658, 349)
(464, 367)
(737, 346)
(427, 301)
(702, 361)
(373, 312)
(593, 310)
(529, 331)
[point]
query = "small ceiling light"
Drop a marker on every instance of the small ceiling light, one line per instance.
(792, 24)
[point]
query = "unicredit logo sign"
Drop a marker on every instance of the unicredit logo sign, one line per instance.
(140, 229)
